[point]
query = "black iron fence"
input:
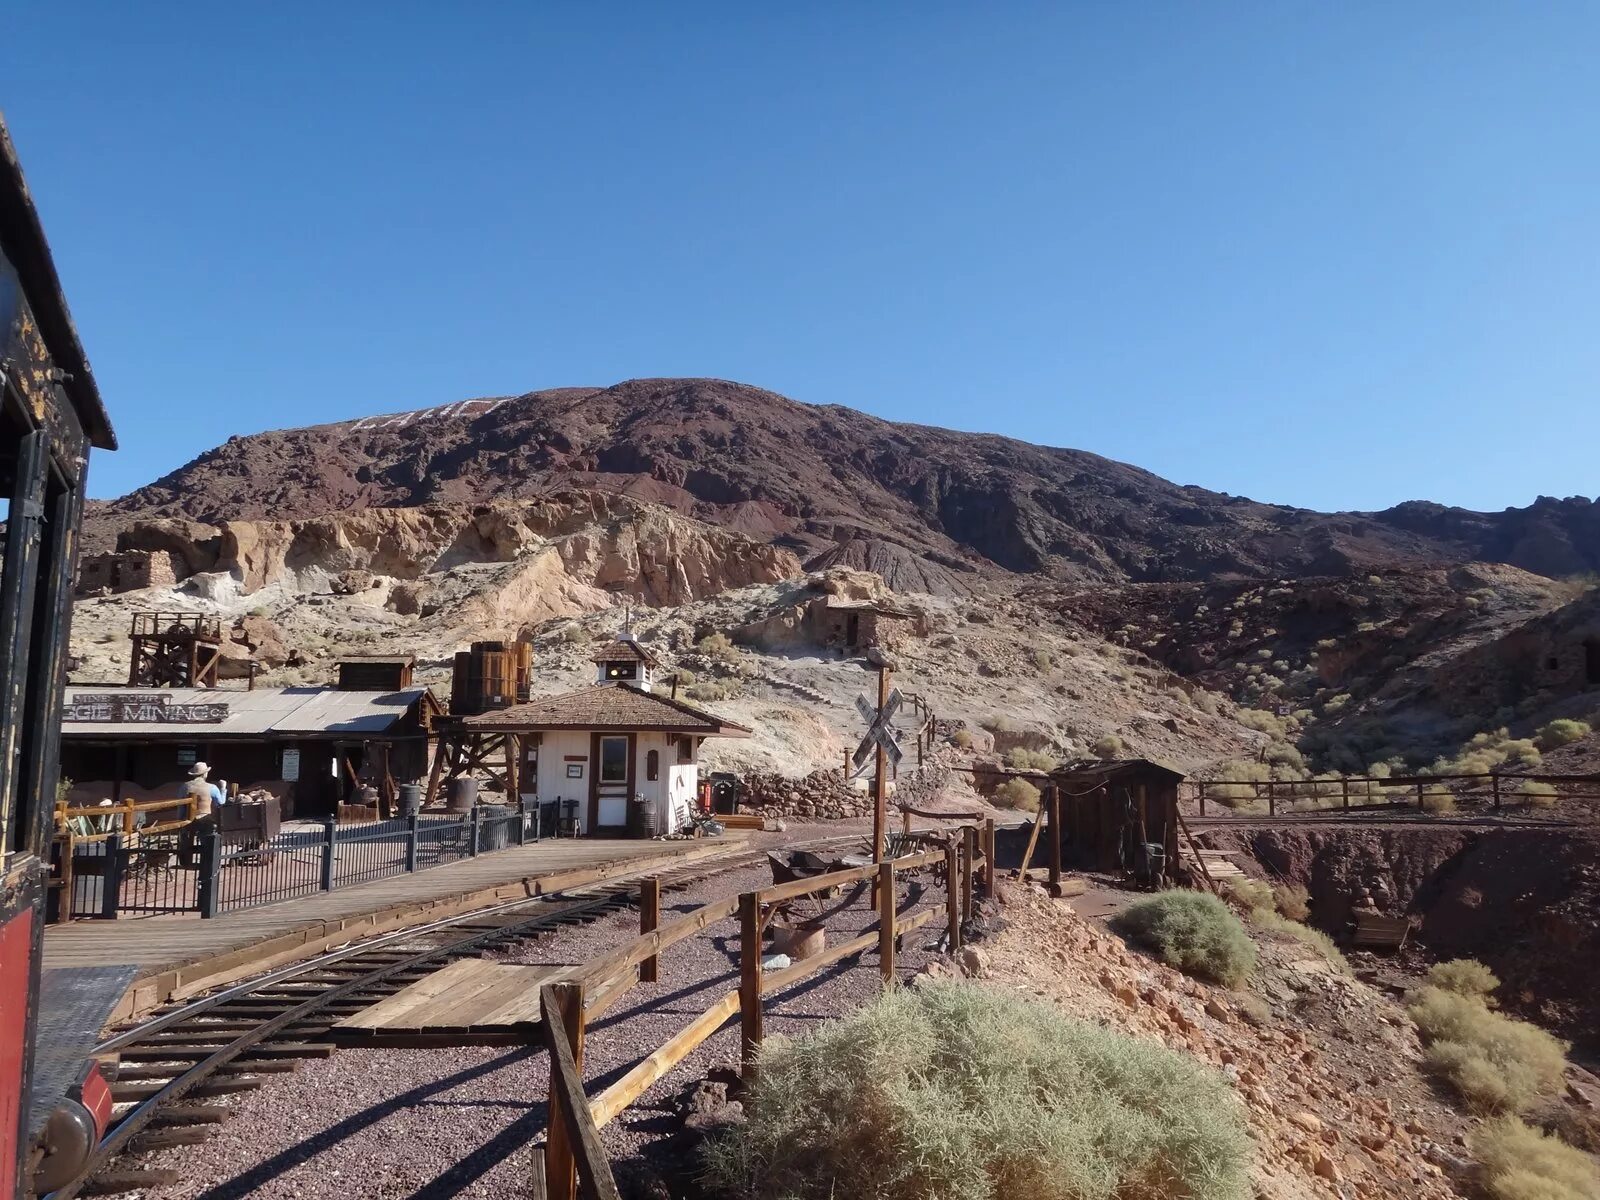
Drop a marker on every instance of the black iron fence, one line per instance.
(201, 870)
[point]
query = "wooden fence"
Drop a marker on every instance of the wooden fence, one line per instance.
(1491, 791)
(574, 1160)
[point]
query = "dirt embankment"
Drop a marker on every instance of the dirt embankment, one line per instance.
(1526, 902)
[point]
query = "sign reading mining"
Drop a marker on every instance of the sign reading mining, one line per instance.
(148, 709)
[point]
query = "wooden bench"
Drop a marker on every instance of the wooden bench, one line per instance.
(1379, 932)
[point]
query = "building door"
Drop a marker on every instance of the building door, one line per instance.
(611, 782)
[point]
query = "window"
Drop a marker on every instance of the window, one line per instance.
(1552, 663)
(686, 749)
(652, 765)
(622, 670)
(614, 760)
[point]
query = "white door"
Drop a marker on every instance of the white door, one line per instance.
(613, 775)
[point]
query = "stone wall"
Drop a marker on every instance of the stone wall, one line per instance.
(824, 796)
(126, 571)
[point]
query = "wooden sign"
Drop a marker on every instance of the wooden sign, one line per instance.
(880, 733)
(123, 708)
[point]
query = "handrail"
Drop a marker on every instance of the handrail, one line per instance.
(578, 1144)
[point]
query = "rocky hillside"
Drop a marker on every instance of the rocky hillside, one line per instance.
(928, 509)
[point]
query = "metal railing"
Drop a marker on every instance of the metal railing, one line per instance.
(202, 870)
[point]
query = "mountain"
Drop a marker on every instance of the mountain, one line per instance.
(929, 509)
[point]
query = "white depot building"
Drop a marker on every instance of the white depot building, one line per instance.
(604, 745)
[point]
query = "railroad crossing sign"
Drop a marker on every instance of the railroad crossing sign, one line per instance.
(881, 733)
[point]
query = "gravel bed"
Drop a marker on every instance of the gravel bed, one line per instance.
(462, 1121)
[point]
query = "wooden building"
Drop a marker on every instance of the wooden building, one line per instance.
(311, 746)
(606, 744)
(1110, 807)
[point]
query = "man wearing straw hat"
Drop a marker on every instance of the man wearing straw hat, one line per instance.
(203, 792)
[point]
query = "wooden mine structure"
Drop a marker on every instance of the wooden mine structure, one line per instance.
(487, 676)
(175, 650)
(1112, 809)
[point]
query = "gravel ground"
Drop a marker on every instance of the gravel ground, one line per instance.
(460, 1122)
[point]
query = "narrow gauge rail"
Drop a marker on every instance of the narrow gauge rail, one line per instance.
(226, 1042)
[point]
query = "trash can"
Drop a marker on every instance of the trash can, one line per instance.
(639, 824)
(410, 799)
(494, 829)
(724, 792)
(463, 794)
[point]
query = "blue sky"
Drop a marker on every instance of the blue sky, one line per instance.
(1332, 255)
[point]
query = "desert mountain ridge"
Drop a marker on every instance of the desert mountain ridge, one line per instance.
(929, 509)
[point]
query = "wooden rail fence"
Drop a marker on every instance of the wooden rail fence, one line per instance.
(1494, 791)
(575, 1162)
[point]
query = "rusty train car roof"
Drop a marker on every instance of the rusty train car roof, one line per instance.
(22, 237)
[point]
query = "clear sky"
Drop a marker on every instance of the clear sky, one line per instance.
(1336, 255)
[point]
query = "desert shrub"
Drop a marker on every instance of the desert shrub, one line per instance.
(1193, 931)
(1464, 977)
(1293, 901)
(717, 647)
(1022, 759)
(970, 1093)
(709, 691)
(1248, 894)
(1436, 798)
(1264, 722)
(1313, 939)
(1205, 701)
(1495, 1063)
(1018, 794)
(685, 677)
(1539, 795)
(573, 634)
(1523, 1163)
(1109, 746)
(962, 738)
(1559, 733)
(1042, 660)
(1001, 724)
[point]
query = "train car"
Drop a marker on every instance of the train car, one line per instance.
(53, 1106)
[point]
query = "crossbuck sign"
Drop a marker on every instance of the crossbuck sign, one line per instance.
(880, 730)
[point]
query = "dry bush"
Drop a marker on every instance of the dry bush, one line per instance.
(1109, 746)
(1313, 939)
(1464, 977)
(1436, 798)
(1018, 794)
(964, 1092)
(708, 691)
(962, 739)
(717, 647)
(1022, 759)
(1538, 795)
(1192, 931)
(1559, 733)
(1293, 901)
(1248, 895)
(1495, 1063)
(574, 634)
(1523, 1163)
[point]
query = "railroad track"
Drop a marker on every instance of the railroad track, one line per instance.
(165, 1067)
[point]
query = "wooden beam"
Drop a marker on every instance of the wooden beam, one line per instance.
(436, 772)
(615, 1099)
(750, 987)
(880, 799)
(649, 917)
(969, 851)
(1033, 840)
(1054, 794)
(988, 858)
(561, 1010)
(886, 900)
(776, 981)
(952, 894)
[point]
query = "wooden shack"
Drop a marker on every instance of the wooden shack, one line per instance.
(1110, 806)
(490, 676)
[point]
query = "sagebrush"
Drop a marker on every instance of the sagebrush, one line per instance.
(962, 1092)
(1018, 794)
(1495, 1063)
(1465, 977)
(1192, 931)
(1523, 1163)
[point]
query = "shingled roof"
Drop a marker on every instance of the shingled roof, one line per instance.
(608, 706)
(624, 650)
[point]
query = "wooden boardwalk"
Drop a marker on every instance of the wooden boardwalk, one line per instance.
(178, 956)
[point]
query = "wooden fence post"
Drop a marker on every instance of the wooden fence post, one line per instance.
(749, 981)
(560, 1167)
(1272, 800)
(1055, 840)
(1494, 782)
(1344, 787)
(952, 893)
(649, 918)
(886, 921)
(988, 858)
(969, 851)
(1200, 790)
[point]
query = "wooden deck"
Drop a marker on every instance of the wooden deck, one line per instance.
(472, 1002)
(178, 956)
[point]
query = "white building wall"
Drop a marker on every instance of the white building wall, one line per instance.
(671, 794)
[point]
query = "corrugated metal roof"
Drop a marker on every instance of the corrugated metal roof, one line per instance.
(305, 710)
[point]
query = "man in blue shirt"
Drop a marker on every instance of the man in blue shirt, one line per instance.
(203, 792)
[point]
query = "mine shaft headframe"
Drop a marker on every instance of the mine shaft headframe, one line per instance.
(174, 649)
